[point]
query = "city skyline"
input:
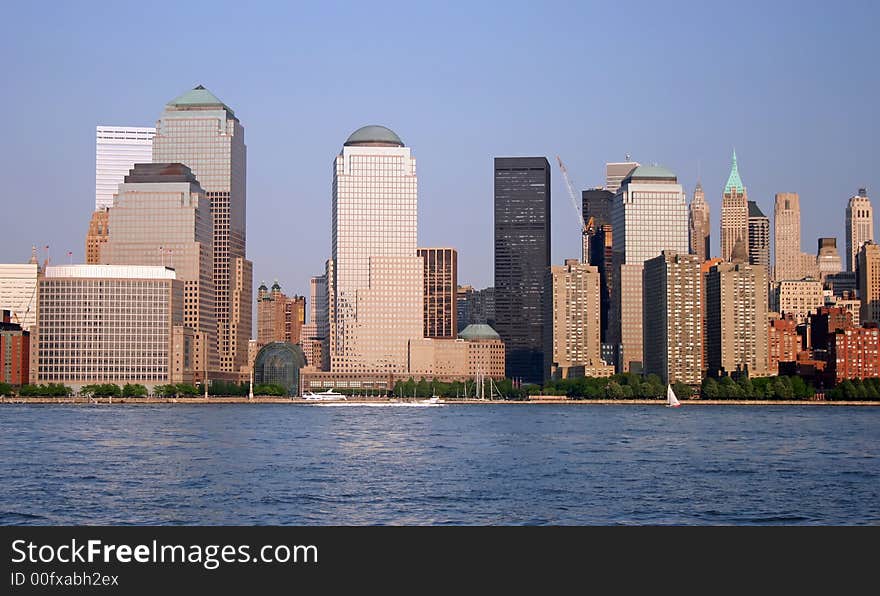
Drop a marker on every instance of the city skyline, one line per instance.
(781, 149)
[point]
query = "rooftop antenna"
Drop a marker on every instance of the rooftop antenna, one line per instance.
(627, 157)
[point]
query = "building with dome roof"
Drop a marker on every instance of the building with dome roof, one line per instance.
(200, 131)
(649, 215)
(375, 278)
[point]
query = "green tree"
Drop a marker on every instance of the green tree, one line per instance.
(710, 389)
(6, 389)
(745, 386)
(134, 390)
(682, 390)
(614, 390)
(728, 389)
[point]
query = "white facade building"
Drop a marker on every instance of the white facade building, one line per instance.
(117, 149)
(375, 276)
(18, 292)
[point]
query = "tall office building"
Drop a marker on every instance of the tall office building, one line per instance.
(441, 289)
(522, 265)
(859, 226)
(112, 324)
(649, 216)
(375, 277)
(673, 321)
(279, 317)
(601, 256)
(161, 217)
(736, 319)
(576, 334)
(828, 260)
(615, 172)
(97, 235)
(18, 292)
(200, 131)
(475, 307)
(734, 215)
(869, 282)
(698, 224)
(788, 263)
(596, 204)
(117, 149)
(759, 236)
(798, 298)
(314, 339)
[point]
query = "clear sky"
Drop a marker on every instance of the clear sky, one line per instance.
(793, 86)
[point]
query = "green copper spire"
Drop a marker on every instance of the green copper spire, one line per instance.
(734, 181)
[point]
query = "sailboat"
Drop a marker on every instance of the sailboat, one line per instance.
(671, 400)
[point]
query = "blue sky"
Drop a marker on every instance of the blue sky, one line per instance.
(792, 85)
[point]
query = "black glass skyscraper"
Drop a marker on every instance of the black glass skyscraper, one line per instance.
(596, 203)
(522, 265)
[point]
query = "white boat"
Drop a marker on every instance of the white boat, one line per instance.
(671, 400)
(435, 399)
(328, 395)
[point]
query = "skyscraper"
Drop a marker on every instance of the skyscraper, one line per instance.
(576, 334)
(596, 203)
(200, 131)
(648, 217)
(736, 319)
(375, 277)
(18, 292)
(869, 282)
(522, 265)
(788, 263)
(734, 214)
(441, 289)
(699, 225)
(615, 172)
(673, 320)
(828, 259)
(161, 217)
(117, 149)
(759, 236)
(314, 333)
(859, 226)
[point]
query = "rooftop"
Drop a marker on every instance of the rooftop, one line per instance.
(373, 135)
(650, 173)
(478, 331)
(198, 97)
(160, 172)
(754, 210)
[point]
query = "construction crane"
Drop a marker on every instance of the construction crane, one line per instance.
(585, 227)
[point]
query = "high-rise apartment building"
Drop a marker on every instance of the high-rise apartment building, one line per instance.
(376, 279)
(869, 282)
(441, 292)
(576, 315)
(200, 131)
(112, 324)
(699, 224)
(734, 215)
(828, 260)
(649, 216)
(859, 226)
(854, 353)
(522, 265)
(161, 217)
(117, 149)
(798, 298)
(98, 234)
(783, 341)
(673, 322)
(615, 172)
(736, 318)
(788, 263)
(759, 236)
(279, 317)
(18, 292)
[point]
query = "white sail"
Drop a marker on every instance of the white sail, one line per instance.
(671, 400)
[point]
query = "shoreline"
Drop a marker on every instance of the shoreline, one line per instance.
(451, 402)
